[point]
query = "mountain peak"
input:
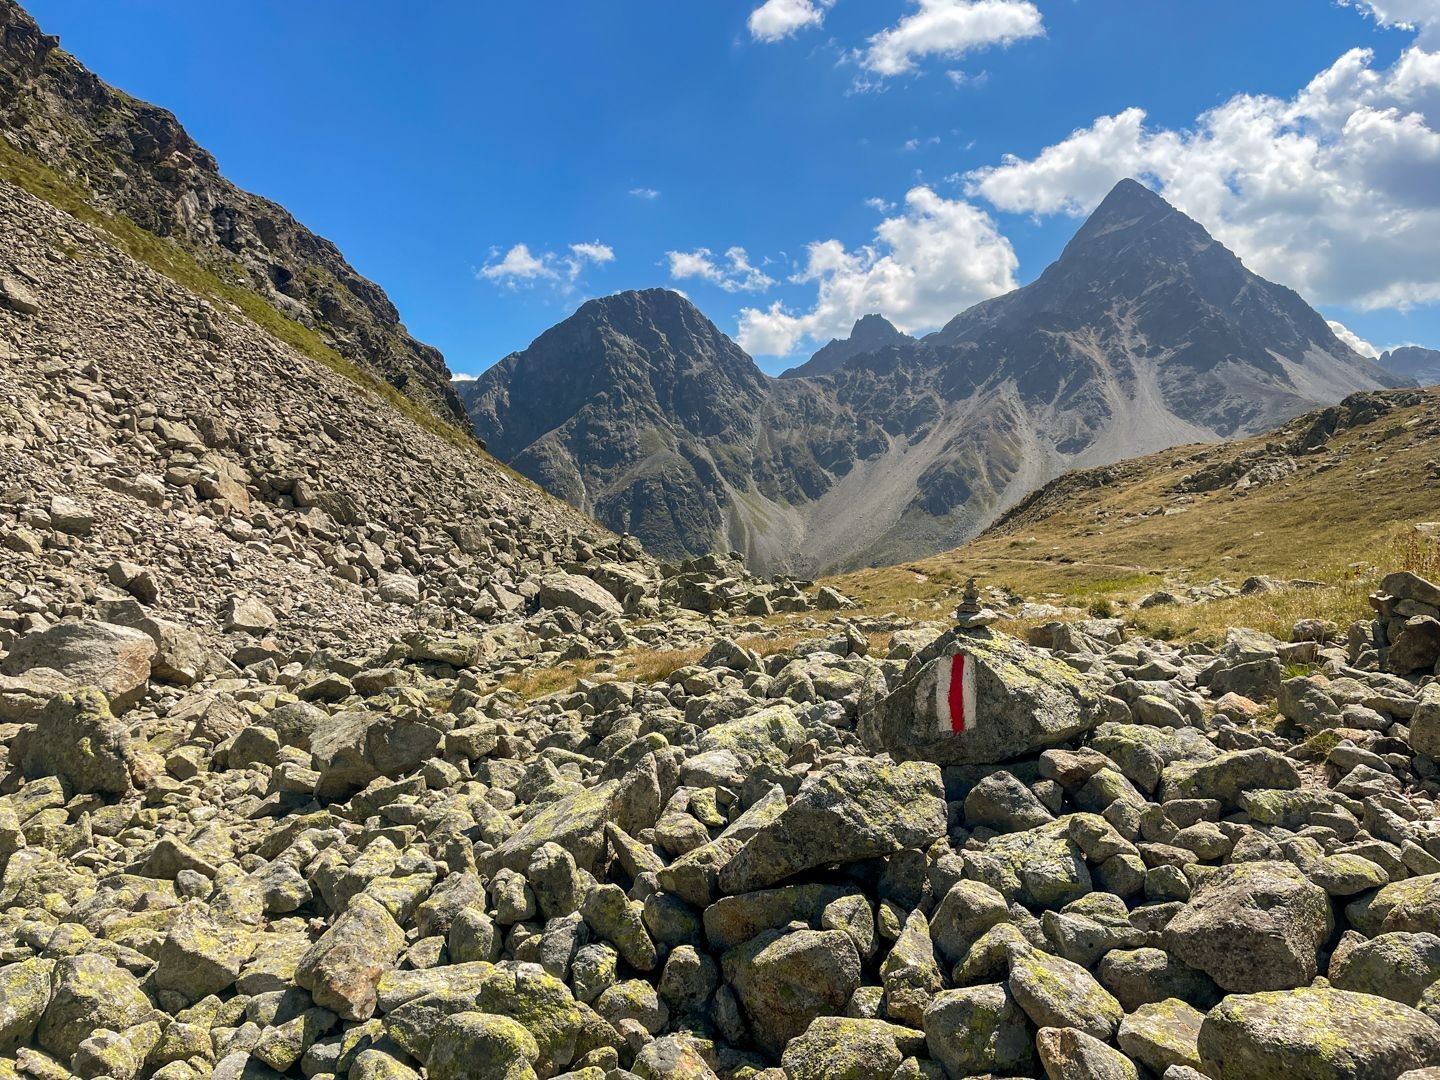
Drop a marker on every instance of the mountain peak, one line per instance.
(870, 333)
(1132, 208)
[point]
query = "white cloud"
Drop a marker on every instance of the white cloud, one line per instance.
(950, 29)
(928, 263)
(776, 20)
(649, 194)
(1332, 191)
(733, 272)
(1354, 340)
(520, 266)
(1419, 15)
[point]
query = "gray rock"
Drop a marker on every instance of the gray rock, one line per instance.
(78, 740)
(856, 809)
(1315, 1033)
(1253, 926)
(784, 981)
(1025, 701)
(979, 1029)
(343, 968)
(115, 659)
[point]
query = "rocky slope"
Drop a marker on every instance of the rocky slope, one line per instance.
(1413, 362)
(1146, 333)
(127, 157)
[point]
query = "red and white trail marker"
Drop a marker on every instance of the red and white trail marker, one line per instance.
(955, 695)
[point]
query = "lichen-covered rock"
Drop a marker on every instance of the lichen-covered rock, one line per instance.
(576, 822)
(343, 968)
(979, 1029)
(859, 808)
(1399, 966)
(1054, 992)
(79, 740)
(1041, 868)
(1315, 1033)
(1025, 701)
(89, 992)
(24, 993)
(1070, 1054)
(842, 1048)
(1253, 926)
(784, 981)
(1162, 1034)
(481, 1046)
(1226, 776)
(1410, 906)
(672, 1057)
(199, 956)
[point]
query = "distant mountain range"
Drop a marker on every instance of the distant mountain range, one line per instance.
(1146, 333)
(1413, 362)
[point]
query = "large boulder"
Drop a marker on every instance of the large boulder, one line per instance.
(578, 594)
(855, 809)
(116, 659)
(1025, 701)
(1253, 926)
(78, 739)
(784, 981)
(352, 748)
(89, 992)
(979, 1029)
(1315, 1033)
(343, 968)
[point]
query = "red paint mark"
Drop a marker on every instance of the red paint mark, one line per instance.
(957, 693)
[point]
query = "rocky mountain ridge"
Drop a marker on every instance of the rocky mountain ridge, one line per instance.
(1146, 333)
(1413, 362)
(130, 158)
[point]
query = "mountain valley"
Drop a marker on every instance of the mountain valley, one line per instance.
(1145, 333)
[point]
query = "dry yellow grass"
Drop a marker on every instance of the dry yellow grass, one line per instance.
(1344, 518)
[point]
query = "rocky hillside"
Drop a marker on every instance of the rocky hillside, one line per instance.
(1192, 539)
(127, 158)
(1412, 362)
(1145, 334)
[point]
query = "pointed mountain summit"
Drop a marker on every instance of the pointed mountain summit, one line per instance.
(871, 334)
(1145, 333)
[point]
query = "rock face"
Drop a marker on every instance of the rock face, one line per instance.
(1413, 362)
(135, 159)
(1025, 701)
(638, 410)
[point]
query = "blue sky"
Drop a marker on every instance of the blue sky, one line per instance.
(493, 165)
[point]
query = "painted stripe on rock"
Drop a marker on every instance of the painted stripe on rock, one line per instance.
(955, 695)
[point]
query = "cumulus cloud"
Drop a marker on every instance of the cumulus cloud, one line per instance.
(520, 267)
(733, 271)
(1332, 191)
(1419, 15)
(1354, 340)
(927, 263)
(950, 29)
(649, 194)
(776, 20)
